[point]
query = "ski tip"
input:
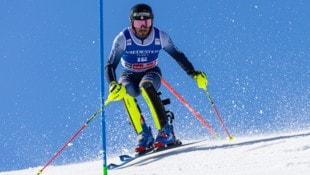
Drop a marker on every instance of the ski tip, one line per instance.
(112, 166)
(125, 157)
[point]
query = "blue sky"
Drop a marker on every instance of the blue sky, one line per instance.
(255, 53)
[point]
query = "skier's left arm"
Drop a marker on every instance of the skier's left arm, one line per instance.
(199, 76)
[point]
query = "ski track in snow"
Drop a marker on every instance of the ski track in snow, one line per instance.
(283, 154)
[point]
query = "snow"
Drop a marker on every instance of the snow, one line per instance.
(284, 153)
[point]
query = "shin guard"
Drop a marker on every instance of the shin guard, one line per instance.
(155, 105)
(134, 113)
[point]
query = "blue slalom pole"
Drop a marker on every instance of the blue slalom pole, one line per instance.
(104, 144)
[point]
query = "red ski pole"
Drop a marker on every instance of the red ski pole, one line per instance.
(186, 104)
(70, 140)
(218, 114)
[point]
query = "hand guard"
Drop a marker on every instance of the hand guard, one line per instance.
(117, 91)
(201, 79)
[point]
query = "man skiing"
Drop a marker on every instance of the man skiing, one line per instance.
(137, 48)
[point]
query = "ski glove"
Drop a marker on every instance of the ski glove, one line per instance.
(201, 79)
(117, 91)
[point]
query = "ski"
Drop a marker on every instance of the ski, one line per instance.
(125, 159)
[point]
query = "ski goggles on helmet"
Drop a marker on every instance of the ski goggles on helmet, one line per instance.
(140, 23)
(141, 15)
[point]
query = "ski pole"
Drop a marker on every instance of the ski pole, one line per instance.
(189, 107)
(218, 114)
(70, 140)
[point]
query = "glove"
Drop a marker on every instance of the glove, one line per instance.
(201, 79)
(117, 91)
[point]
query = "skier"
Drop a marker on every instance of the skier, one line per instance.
(137, 48)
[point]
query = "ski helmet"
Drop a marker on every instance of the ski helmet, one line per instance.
(141, 12)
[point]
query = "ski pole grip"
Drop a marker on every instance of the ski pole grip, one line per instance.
(201, 79)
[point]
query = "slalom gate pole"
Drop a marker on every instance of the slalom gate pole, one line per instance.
(189, 107)
(101, 51)
(218, 114)
(70, 140)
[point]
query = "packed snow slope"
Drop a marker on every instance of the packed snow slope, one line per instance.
(277, 154)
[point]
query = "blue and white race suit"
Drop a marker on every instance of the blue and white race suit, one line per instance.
(139, 58)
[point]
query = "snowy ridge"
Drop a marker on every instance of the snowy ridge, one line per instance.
(284, 154)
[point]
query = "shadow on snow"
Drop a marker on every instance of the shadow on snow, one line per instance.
(160, 155)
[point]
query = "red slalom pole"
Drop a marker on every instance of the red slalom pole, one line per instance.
(186, 104)
(218, 114)
(70, 140)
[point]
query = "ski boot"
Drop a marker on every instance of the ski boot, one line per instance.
(145, 140)
(165, 137)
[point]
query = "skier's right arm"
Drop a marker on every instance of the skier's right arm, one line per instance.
(116, 91)
(116, 53)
